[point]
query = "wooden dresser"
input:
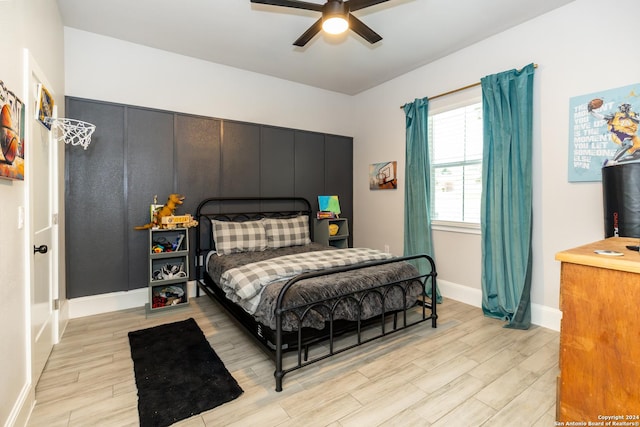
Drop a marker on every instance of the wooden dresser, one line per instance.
(599, 333)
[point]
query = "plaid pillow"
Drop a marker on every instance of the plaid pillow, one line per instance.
(286, 232)
(231, 237)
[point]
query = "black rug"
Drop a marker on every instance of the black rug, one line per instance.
(177, 373)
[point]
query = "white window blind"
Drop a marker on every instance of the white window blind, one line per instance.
(455, 138)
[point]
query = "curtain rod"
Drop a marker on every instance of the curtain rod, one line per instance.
(460, 89)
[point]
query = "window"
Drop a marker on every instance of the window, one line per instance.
(455, 138)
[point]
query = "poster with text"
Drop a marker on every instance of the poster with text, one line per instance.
(603, 131)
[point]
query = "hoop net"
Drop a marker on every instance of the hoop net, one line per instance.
(72, 131)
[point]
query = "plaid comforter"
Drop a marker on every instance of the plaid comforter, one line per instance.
(244, 285)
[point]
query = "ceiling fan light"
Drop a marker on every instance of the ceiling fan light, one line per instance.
(335, 25)
(335, 17)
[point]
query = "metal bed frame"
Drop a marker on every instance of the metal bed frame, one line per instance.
(277, 342)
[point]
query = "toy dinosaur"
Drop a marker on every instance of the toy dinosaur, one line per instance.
(168, 209)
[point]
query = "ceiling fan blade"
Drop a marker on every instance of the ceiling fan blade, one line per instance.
(361, 4)
(362, 30)
(291, 3)
(309, 34)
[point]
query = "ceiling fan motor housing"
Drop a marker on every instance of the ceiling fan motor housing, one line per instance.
(335, 8)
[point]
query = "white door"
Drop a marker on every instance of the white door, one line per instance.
(42, 158)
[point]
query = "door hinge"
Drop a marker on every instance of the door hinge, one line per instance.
(56, 304)
(54, 219)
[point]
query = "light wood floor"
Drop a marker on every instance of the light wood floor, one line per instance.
(470, 371)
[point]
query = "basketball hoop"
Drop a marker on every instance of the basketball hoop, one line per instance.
(71, 131)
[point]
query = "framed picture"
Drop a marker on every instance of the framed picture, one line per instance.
(44, 107)
(11, 135)
(382, 176)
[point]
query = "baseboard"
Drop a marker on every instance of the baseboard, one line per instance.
(21, 411)
(541, 315)
(460, 293)
(114, 301)
(546, 317)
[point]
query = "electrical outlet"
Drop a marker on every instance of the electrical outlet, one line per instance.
(386, 248)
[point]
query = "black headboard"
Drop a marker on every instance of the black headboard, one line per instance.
(242, 209)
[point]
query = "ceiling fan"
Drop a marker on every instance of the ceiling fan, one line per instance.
(336, 17)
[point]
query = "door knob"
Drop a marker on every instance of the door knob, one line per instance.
(42, 249)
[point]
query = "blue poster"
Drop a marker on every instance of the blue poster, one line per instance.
(603, 131)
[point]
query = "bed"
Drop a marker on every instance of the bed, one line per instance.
(256, 257)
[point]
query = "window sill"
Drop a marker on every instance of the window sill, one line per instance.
(456, 227)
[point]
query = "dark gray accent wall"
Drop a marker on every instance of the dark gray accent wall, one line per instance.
(277, 162)
(149, 163)
(309, 175)
(136, 153)
(197, 159)
(338, 160)
(96, 245)
(240, 168)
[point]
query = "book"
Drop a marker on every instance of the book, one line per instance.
(326, 215)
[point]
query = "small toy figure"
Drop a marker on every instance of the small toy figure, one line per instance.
(167, 210)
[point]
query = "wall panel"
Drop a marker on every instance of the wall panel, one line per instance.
(197, 172)
(150, 165)
(197, 159)
(309, 166)
(240, 175)
(276, 162)
(277, 165)
(338, 171)
(94, 203)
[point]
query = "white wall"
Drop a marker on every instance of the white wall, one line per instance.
(108, 69)
(34, 25)
(576, 48)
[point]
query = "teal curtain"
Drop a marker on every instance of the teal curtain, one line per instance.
(417, 213)
(506, 212)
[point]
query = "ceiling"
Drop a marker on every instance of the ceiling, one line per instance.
(259, 38)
